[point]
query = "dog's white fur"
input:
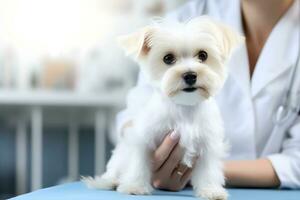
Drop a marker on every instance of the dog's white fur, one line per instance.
(198, 122)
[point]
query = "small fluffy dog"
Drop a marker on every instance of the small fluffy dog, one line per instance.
(185, 64)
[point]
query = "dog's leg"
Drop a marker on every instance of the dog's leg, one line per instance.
(109, 180)
(188, 159)
(208, 178)
(137, 178)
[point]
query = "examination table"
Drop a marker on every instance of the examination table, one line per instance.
(78, 191)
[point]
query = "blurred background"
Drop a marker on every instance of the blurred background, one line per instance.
(62, 80)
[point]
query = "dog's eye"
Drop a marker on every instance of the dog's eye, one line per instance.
(169, 59)
(202, 56)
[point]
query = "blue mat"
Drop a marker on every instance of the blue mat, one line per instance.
(77, 191)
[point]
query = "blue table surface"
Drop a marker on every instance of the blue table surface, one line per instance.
(78, 191)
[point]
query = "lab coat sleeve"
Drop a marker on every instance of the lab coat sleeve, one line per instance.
(287, 163)
(139, 95)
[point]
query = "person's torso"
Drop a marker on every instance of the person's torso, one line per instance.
(247, 107)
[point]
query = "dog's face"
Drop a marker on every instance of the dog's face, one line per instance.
(186, 61)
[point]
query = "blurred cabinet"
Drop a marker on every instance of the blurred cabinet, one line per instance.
(33, 106)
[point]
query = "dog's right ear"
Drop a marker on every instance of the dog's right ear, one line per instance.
(137, 44)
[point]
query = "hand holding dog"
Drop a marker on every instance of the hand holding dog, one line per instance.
(168, 173)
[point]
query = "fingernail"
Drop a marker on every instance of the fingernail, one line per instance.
(174, 135)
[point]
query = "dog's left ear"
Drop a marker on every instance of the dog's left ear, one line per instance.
(231, 39)
(137, 44)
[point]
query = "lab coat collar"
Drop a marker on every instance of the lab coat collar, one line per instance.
(278, 54)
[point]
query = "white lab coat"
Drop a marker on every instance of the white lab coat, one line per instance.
(247, 106)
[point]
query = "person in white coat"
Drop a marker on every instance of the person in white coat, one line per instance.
(258, 80)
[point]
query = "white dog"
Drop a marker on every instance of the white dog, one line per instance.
(185, 64)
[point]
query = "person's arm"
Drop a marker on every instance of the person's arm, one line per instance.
(281, 169)
(287, 163)
(250, 173)
(246, 173)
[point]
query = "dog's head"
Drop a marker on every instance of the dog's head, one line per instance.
(185, 61)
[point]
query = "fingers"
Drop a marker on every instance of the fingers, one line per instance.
(183, 172)
(173, 160)
(187, 176)
(162, 178)
(172, 183)
(168, 173)
(163, 151)
(171, 180)
(179, 171)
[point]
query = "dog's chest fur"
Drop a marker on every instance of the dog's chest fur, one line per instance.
(196, 125)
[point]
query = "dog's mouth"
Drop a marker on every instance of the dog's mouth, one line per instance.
(192, 89)
(202, 90)
(189, 89)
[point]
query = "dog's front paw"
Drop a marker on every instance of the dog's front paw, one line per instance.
(188, 159)
(135, 189)
(212, 193)
(100, 182)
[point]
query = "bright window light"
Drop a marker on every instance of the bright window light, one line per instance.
(52, 26)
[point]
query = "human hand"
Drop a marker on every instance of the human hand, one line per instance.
(168, 173)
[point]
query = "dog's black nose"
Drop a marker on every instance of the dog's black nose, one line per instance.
(190, 78)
